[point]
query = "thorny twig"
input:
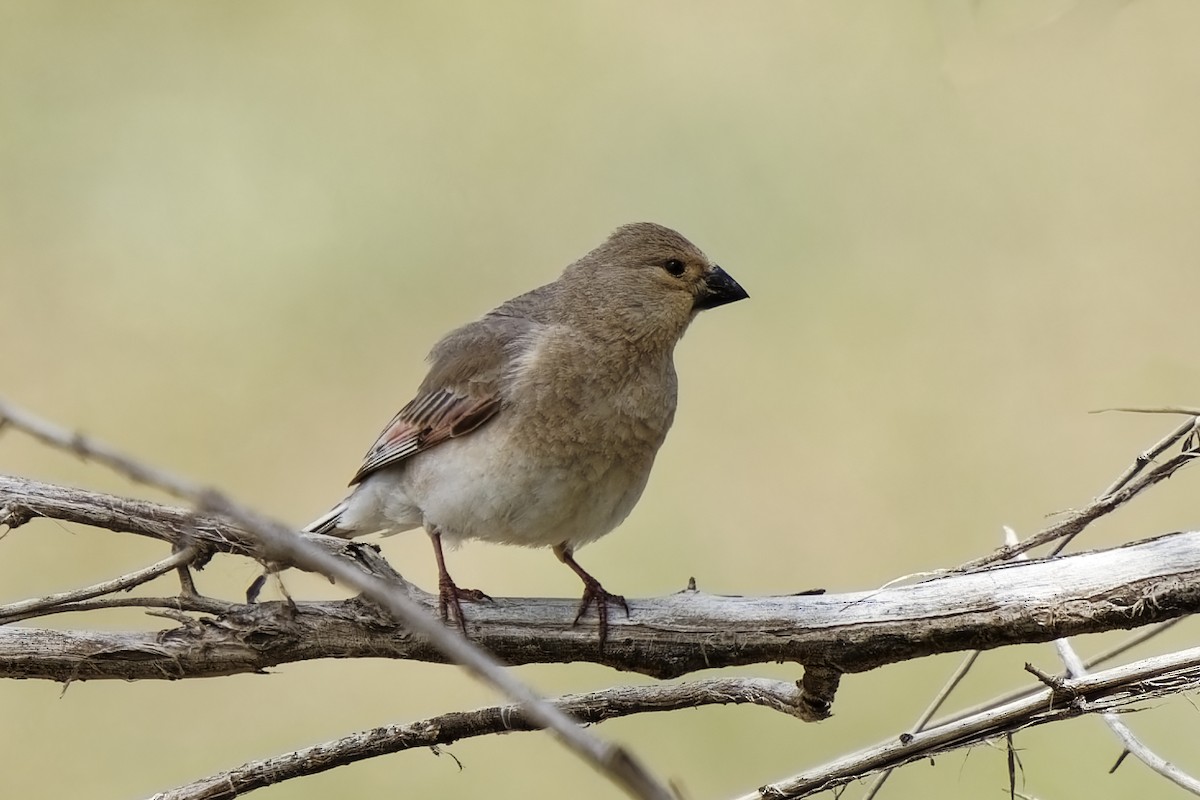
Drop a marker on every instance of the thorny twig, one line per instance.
(1132, 745)
(1096, 692)
(1018, 550)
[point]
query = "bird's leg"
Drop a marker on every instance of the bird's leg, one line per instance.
(593, 593)
(449, 594)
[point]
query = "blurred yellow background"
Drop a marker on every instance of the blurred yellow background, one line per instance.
(230, 232)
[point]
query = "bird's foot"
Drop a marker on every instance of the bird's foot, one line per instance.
(449, 601)
(597, 595)
(255, 588)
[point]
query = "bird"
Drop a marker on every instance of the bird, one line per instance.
(538, 424)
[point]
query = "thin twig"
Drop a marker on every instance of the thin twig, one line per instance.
(196, 604)
(1094, 693)
(1143, 461)
(92, 450)
(1076, 521)
(1146, 457)
(1012, 543)
(666, 636)
(1133, 746)
(943, 694)
(1190, 411)
(922, 721)
(45, 605)
(285, 547)
(1139, 464)
(591, 708)
(1127, 486)
(1141, 637)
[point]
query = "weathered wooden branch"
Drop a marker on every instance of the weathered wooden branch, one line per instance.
(972, 607)
(1066, 698)
(282, 546)
(1032, 601)
(591, 708)
(23, 499)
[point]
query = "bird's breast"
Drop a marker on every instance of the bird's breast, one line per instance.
(581, 397)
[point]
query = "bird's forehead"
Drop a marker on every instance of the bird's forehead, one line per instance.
(650, 239)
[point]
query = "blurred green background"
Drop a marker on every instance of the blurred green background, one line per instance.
(229, 233)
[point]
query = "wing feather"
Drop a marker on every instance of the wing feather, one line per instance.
(430, 418)
(463, 389)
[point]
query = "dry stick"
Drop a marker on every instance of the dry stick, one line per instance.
(1132, 744)
(36, 606)
(591, 708)
(1078, 520)
(961, 672)
(1102, 657)
(91, 450)
(1013, 696)
(285, 546)
(1139, 464)
(1071, 697)
(1148, 456)
(25, 499)
(198, 604)
(865, 630)
(1074, 665)
(1190, 411)
(1143, 460)
(1075, 669)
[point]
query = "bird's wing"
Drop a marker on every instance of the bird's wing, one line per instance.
(431, 418)
(463, 390)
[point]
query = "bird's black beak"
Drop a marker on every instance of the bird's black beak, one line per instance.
(718, 290)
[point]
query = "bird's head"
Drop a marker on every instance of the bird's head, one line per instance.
(651, 279)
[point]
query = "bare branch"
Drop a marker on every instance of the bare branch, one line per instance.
(922, 722)
(28, 608)
(283, 546)
(1074, 522)
(178, 604)
(593, 707)
(92, 450)
(1102, 657)
(22, 499)
(1144, 459)
(1094, 693)
(1133, 746)
(971, 608)
(1147, 456)
(1038, 600)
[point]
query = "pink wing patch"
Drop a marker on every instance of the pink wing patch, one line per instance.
(428, 420)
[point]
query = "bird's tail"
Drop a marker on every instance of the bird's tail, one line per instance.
(327, 523)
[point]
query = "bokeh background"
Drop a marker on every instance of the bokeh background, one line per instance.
(229, 233)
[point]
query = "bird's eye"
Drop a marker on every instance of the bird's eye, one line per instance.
(674, 266)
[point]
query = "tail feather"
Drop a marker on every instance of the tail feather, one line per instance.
(327, 523)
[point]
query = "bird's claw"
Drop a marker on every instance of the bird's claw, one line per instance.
(601, 598)
(450, 597)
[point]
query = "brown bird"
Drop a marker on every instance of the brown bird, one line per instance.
(538, 424)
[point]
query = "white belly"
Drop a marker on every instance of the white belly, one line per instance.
(484, 487)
